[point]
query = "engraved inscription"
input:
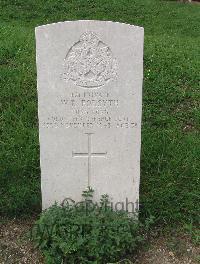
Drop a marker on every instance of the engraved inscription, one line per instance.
(90, 110)
(89, 62)
(89, 155)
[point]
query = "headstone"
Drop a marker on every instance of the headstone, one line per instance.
(89, 76)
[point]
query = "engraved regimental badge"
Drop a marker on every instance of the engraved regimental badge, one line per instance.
(89, 62)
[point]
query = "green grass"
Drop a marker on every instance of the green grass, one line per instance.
(170, 176)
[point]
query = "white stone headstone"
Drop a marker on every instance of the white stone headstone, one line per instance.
(89, 76)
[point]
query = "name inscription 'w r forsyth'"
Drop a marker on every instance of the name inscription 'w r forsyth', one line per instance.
(89, 62)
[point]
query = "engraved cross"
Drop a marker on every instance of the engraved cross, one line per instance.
(89, 155)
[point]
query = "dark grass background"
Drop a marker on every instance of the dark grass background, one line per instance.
(170, 175)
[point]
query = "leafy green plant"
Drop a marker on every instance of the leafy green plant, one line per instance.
(86, 232)
(194, 232)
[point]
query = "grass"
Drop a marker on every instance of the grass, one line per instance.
(170, 175)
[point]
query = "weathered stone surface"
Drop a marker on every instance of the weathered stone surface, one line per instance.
(90, 102)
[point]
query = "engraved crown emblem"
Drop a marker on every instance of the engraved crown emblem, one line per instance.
(89, 62)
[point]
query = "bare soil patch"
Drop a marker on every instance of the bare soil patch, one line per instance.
(170, 250)
(15, 246)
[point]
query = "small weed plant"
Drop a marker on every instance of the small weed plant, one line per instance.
(87, 232)
(194, 232)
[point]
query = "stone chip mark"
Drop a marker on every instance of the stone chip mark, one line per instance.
(89, 62)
